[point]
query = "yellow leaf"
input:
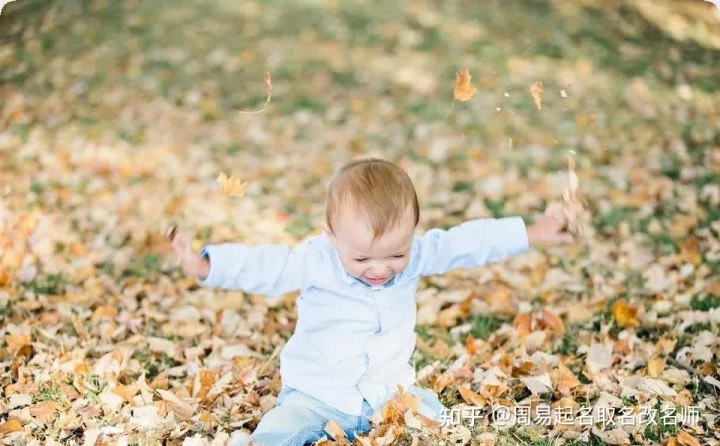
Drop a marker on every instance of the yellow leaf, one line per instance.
(625, 314)
(463, 90)
(536, 90)
(656, 367)
(686, 439)
(126, 391)
(231, 187)
(10, 426)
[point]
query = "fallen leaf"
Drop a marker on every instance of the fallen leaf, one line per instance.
(686, 439)
(10, 426)
(44, 412)
(552, 322)
(463, 90)
(599, 357)
(537, 384)
(471, 345)
(335, 430)
(536, 90)
(656, 367)
(231, 187)
(471, 397)
(625, 314)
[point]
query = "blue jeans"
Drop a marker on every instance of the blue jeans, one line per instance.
(298, 419)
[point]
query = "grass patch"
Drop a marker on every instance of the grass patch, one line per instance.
(707, 303)
(50, 284)
(483, 326)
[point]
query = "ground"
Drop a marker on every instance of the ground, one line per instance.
(118, 117)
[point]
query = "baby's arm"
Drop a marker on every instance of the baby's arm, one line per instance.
(470, 244)
(478, 242)
(266, 269)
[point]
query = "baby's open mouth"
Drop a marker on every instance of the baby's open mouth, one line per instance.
(377, 280)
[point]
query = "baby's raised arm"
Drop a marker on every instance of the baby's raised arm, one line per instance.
(265, 269)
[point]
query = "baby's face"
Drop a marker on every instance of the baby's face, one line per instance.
(373, 263)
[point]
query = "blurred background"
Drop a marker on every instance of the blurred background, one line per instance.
(116, 118)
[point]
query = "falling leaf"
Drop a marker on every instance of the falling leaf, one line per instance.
(268, 89)
(231, 187)
(463, 90)
(536, 90)
(625, 314)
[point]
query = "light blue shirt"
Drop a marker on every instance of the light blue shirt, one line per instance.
(354, 341)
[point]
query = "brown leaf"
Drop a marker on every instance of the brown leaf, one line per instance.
(552, 322)
(443, 381)
(471, 345)
(17, 341)
(10, 426)
(625, 314)
(463, 90)
(44, 412)
(564, 379)
(471, 397)
(686, 439)
(536, 90)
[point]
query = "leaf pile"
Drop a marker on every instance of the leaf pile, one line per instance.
(118, 116)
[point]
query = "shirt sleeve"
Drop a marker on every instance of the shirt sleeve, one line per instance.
(268, 269)
(470, 244)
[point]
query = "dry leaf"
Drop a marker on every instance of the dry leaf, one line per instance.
(335, 430)
(10, 426)
(599, 357)
(552, 322)
(44, 412)
(686, 439)
(656, 367)
(536, 90)
(463, 90)
(625, 314)
(471, 397)
(231, 187)
(268, 89)
(471, 345)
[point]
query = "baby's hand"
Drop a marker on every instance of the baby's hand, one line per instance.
(191, 262)
(550, 229)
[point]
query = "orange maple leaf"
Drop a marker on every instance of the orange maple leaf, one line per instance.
(463, 90)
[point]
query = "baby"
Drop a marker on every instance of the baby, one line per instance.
(356, 311)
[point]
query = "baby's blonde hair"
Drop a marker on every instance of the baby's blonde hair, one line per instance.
(379, 188)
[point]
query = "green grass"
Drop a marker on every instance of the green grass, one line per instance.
(483, 326)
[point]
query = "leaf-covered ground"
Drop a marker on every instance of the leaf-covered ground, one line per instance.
(117, 117)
